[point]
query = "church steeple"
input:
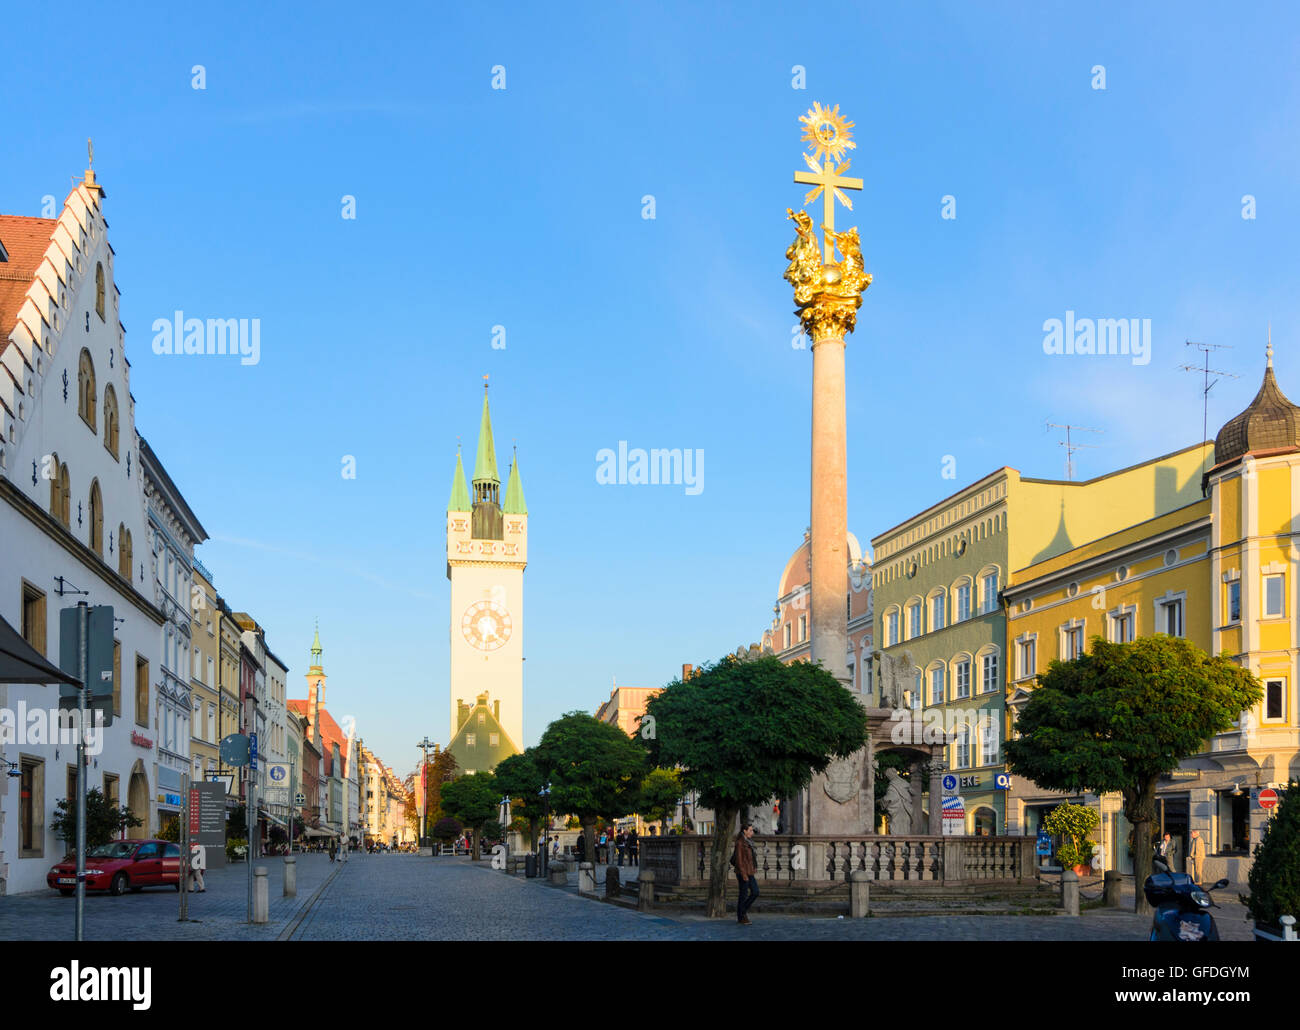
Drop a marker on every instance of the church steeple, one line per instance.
(485, 521)
(485, 462)
(515, 491)
(316, 668)
(459, 494)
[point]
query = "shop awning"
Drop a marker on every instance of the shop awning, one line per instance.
(312, 831)
(272, 819)
(22, 663)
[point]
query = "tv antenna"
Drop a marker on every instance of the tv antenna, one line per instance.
(1206, 371)
(1069, 444)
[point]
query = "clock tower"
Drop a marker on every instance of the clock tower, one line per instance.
(487, 552)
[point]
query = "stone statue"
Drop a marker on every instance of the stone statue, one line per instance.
(898, 803)
(763, 818)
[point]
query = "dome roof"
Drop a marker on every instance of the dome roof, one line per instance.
(1269, 423)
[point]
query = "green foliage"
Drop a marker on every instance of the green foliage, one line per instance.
(519, 777)
(572, 823)
(104, 821)
(660, 792)
(1120, 716)
(171, 829)
(237, 824)
(1072, 823)
(446, 829)
(743, 731)
(1275, 874)
(475, 800)
(236, 848)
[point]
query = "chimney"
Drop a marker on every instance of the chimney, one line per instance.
(687, 669)
(461, 713)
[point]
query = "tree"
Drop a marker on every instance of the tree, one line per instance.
(475, 800)
(1120, 716)
(519, 778)
(1073, 823)
(446, 829)
(104, 820)
(660, 792)
(1275, 873)
(743, 730)
(594, 769)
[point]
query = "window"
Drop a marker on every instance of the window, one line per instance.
(111, 794)
(803, 628)
(963, 748)
(124, 556)
(99, 290)
(936, 685)
(1234, 601)
(1122, 626)
(787, 635)
(961, 679)
(141, 691)
(471, 739)
(31, 808)
(96, 519)
(990, 598)
(917, 685)
(988, 740)
(117, 678)
(1170, 617)
(938, 611)
(1274, 605)
(891, 628)
(86, 394)
(482, 718)
(33, 627)
(913, 620)
(110, 420)
(494, 739)
(1274, 700)
(989, 682)
(1071, 642)
(1026, 651)
(963, 602)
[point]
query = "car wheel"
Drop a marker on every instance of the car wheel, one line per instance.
(67, 892)
(118, 887)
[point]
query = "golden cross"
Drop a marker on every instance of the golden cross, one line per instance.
(827, 180)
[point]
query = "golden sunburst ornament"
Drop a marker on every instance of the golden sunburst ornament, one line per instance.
(827, 131)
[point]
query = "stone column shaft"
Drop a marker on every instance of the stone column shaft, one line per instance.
(829, 529)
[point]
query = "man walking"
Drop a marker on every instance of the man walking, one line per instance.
(198, 865)
(1196, 856)
(743, 861)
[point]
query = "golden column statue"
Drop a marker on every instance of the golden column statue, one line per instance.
(827, 295)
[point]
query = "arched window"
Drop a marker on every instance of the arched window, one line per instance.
(124, 556)
(99, 290)
(86, 395)
(96, 519)
(110, 419)
(56, 489)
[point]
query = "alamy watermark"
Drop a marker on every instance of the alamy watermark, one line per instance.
(657, 467)
(37, 727)
(941, 725)
(1100, 336)
(181, 335)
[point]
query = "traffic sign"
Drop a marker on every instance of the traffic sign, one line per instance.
(949, 784)
(234, 749)
(1267, 798)
(300, 798)
(252, 751)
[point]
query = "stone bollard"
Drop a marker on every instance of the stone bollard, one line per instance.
(290, 876)
(559, 874)
(1070, 892)
(586, 878)
(645, 900)
(1110, 888)
(261, 898)
(859, 894)
(613, 884)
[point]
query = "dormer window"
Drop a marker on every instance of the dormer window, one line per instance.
(99, 290)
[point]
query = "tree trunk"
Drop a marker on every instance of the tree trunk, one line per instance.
(724, 831)
(1140, 810)
(589, 839)
(532, 833)
(474, 839)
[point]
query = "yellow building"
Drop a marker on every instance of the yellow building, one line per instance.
(1219, 571)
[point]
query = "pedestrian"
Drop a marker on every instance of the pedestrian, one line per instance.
(333, 849)
(620, 842)
(198, 864)
(1196, 856)
(743, 861)
(633, 847)
(1169, 852)
(580, 846)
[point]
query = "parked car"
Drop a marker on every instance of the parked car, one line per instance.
(121, 866)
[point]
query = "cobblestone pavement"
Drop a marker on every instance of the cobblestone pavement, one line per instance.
(220, 913)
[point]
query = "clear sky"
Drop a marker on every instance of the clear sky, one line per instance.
(479, 207)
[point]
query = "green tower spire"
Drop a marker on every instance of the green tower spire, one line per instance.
(515, 491)
(459, 493)
(485, 463)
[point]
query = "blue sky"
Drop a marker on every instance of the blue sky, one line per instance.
(522, 208)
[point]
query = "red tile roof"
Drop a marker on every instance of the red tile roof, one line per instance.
(25, 239)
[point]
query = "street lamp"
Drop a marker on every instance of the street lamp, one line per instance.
(424, 746)
(545, 795)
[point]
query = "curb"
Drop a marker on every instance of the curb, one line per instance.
(297, 918)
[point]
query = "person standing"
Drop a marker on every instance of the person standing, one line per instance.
(1169, 851)
(198, 865)
(1196, 856)
(620, 842)
(743, 861)
(333, 848)
(633, 847)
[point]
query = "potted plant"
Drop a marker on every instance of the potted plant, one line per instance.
(1072, 824)
(1275, 873)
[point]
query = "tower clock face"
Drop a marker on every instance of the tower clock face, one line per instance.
(486, 625)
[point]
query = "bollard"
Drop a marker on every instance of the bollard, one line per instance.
(645, 900)
(859, 893)
(290, 876)
(261, 899)
(1110, 889)
(586, 878)
(613, 883)
(1288, 928)
(559, 874)
(1070, 892)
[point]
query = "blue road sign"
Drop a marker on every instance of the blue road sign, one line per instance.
(252, 751)
(1044, 843)
(949, 783)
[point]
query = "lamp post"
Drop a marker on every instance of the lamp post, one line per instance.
(545, 795)
(424, 746)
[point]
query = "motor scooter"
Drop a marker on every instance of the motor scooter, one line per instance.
(1182, 909)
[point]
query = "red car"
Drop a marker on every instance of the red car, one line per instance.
(121, 866)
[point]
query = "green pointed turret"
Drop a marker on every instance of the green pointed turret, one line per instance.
(515, 492)
(485, 463)
(459, 492)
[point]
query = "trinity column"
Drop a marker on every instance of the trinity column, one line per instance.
(827, 295)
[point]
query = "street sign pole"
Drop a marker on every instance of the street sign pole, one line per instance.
(183, 838)
(83, 644)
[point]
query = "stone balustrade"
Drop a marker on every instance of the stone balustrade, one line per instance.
(904, 861)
